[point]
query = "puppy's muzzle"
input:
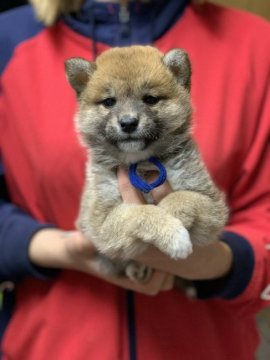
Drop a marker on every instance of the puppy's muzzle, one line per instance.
(128, 124)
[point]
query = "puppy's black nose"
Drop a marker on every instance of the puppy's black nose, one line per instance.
(128, 123)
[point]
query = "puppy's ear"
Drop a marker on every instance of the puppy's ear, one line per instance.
(178, 62)
(78, 72)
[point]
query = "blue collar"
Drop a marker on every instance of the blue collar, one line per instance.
(139, 183)
(148, 21)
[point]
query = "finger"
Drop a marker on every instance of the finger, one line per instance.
(152, 287)
(129, 194)
(161, 191)
(168, 283)
(155, 284)
(121, 281)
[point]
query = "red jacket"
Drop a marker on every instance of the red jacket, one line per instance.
(79, 317)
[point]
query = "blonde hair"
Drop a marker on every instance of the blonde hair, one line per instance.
(48, 11)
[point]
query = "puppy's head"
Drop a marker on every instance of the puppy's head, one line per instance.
(132, 99)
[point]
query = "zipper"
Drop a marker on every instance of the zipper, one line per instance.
(124, 18)
(131, 325)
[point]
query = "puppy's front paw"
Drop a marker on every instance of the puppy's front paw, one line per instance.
(138, 272)
(180, 246)
(175, 240)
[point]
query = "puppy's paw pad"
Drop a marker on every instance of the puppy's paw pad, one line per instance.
(138, 272)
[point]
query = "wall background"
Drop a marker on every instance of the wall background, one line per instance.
(260, 7)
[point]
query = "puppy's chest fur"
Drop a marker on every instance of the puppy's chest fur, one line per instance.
(179, 178)
(185, 171)
(109, 188)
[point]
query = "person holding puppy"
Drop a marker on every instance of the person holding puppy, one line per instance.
(69, 313)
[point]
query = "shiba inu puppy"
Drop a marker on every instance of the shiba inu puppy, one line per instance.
(134, 104)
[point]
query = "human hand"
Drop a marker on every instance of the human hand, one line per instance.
(54, 248)
(208, 262)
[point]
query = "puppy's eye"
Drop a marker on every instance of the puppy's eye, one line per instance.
(109, 102)
(150, 100)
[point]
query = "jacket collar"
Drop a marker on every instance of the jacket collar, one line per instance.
(148, 21)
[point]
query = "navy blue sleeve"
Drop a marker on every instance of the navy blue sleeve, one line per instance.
(16, 227)
(16, 231)
(236, 281)
(16, 26)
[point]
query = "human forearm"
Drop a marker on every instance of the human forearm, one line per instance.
(221, 270)
(209, 262)
(55, 248)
